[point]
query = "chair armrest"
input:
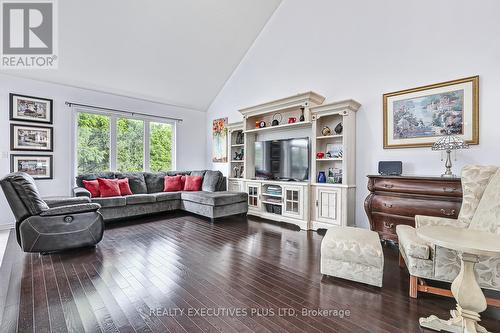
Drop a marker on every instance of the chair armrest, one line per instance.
(58, 202)
(72, 209)
(421, 221)
(81, 192)
(412, 245)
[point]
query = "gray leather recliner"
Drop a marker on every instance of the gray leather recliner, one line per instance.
(53, 225)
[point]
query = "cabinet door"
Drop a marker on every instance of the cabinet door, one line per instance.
(253, 190)
(293, 202)
(328, 206)
(234, 186)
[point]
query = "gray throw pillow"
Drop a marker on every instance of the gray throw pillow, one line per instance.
(135, 180)
(155, 181)
(211, 180)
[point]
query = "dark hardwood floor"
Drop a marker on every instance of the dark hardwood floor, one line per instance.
(178, 273)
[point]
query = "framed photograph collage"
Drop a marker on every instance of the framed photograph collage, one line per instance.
(31, 133)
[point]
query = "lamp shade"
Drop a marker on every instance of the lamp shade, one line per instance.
(450, 142)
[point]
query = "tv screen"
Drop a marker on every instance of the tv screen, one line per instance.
(282, 159)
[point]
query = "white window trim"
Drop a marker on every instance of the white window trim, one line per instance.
(113, 135)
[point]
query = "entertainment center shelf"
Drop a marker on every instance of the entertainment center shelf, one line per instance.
(319, 202)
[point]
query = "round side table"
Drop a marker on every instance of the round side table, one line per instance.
(470, 298)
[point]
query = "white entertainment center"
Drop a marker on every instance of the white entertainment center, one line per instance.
(310, 204)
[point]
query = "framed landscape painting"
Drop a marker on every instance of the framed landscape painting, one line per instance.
(219, 140)
(34, 138)
(418, 117)
(33, 109)
(37, 166)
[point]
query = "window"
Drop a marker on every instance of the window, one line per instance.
(107, 142)
(93, 142)
(130, 145)
(160, 147)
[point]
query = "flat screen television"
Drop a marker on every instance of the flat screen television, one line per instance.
(282, 159)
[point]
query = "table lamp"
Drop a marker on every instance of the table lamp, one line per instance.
(448, 143)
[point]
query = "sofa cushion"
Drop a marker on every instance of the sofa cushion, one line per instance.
(93, 187)
(110, 201)
(173, 184)
(214, 198)
(175, 173)
(124, 187)
(93, 176)
(135, 180)
(154, 181)
(165, 196)
(136, 199)
(192, 183)
(109, 187)
(198, 173)
(211, 180)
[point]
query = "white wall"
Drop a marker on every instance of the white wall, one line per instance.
(190, 133)
(361, 49)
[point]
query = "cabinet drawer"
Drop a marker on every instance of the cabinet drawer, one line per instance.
(419, 186)
(413, 206)
(385, 225)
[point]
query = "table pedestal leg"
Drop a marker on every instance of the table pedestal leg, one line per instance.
(470, 302)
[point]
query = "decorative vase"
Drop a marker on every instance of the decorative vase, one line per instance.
(302, 118)
(276, 122)
(326, 131)
(338, 129)
(321, 177)
(320, 154)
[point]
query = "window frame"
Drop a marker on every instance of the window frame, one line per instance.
(113, 120)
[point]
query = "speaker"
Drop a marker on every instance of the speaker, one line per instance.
(390, 168)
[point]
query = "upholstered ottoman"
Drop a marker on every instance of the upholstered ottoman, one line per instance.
(353, 254)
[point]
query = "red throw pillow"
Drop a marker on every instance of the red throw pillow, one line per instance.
(109, 187)
(93, 187)
(193, 183)
(124, 187)
(183, 181)
(172, 184)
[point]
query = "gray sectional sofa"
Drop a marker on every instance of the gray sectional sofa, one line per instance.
(213, 201)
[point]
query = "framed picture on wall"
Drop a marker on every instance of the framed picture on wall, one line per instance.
(33, 138)
(32, 109)
(37, 166)
(418, 117)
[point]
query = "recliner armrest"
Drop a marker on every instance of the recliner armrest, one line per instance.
(58, 202)
(71, 209)
(81, 192)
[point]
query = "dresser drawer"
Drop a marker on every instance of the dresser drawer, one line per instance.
(404, 207)
(385, 225)
(450, 188)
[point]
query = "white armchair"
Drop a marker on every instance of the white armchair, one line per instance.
(480, 210)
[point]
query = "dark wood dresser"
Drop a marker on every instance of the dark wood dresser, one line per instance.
(396, 200)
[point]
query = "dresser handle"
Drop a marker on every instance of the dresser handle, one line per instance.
(387, 205)
(451, 213)
(388, 185)
(388, 225)
(449, 189)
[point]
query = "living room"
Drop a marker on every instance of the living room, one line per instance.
(270, 165)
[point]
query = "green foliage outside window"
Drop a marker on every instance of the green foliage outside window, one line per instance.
(160, 147)
(130, 145)
(93, 143)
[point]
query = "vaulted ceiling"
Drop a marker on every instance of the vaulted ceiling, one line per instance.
(179, 52)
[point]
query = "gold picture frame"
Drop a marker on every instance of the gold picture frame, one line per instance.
(453, 105)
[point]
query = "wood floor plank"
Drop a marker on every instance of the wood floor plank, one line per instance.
(158, 274)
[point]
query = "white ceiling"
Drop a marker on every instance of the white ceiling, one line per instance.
(175, 51)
